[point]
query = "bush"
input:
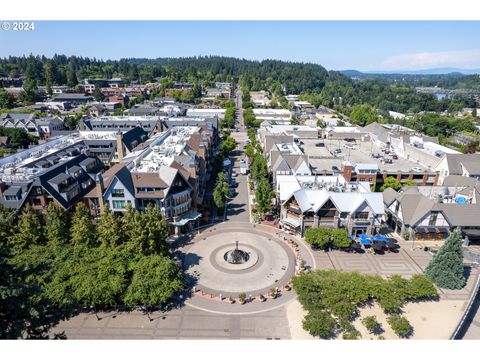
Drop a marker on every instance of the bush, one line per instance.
(420, 287)
(372, 325)
(406, 235)
(340, 238)
(320, 323)
(352, 335)
(242, 297)
(400, 325)
(318, 237)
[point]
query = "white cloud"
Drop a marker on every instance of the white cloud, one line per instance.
(429, 60)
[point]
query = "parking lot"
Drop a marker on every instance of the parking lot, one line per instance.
(323, 158)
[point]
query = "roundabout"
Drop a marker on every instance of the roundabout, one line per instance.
(230, 259)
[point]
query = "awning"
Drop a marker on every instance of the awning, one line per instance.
(364, 237)
(194, 215)
(291, 222)
(365, 241)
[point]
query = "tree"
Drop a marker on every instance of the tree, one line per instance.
(82, 230)
(363, 114)
(227, 146)
(391, 182)
(6, 100)
(97, 94)
(28, 95)
(108, 230)
(220, 191)
(318, 236)
(155, 280)
(156, 230)
(29, 229)
(259, 168)
(446, 267)
(56, 229)
(263, 196)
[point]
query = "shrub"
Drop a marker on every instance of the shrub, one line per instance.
(318, 237)
(320, 323)
(400, 325)
(420, 287)
(406, 235)
(340, 238)
(352, 335)
(372, 325)
(242, 297)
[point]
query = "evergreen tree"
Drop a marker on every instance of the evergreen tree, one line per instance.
(56, 229)
(446, 267)
(109, 230)
(82, 230)
(29, 229)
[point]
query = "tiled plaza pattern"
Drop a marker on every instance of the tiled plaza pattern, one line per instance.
(185, 323)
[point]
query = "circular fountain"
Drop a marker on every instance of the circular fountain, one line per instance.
(236, 256)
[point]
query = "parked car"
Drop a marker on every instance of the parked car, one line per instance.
(337, 151)
(349, 146)
(394, 156)
(234, 173)
(320, 144)
(417, 169)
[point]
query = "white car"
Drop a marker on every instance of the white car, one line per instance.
(417, 169)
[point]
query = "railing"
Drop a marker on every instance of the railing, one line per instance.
(468, 314)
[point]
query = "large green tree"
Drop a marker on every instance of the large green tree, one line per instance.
(363, 114)
(56, 227)
(446, 267)
(82, 230)
(29, 229)
(263, 196)
(108, 231)
(155, 280)
(220, 192)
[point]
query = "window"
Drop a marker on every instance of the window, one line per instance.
(362, 216)
(118, 193)
(119, 204)
(433, 219)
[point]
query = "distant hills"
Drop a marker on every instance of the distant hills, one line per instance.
(436, 71)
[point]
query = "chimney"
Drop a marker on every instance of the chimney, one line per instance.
(100, 189)
(81, 125)
(347, 170)
(119, 137)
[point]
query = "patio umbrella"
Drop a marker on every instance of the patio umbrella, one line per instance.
(363, 236)
(351, 237)
(377, 246)
(365, 242)
(355, 245)
(380, 238)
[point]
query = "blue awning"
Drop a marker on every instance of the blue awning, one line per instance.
(366, 242)
(351, 237)
(380, 238)
(364, 236)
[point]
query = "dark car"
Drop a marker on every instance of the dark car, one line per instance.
(395, 157)
(335, 168)
(320, 144)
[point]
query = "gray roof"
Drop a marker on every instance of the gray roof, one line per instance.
(378, 130)
(389, 195)
(470, 161)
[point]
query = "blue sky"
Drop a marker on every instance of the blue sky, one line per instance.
(361, 45)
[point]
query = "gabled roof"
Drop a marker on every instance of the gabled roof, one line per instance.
(471, 162)
(389, 195)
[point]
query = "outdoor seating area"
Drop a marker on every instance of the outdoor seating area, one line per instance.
(375, 244)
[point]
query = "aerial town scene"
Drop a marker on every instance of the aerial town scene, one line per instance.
(153, 193)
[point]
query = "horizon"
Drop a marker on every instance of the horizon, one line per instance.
(366, 46)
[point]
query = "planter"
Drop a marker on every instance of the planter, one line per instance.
(262, 298)
(231, 301)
